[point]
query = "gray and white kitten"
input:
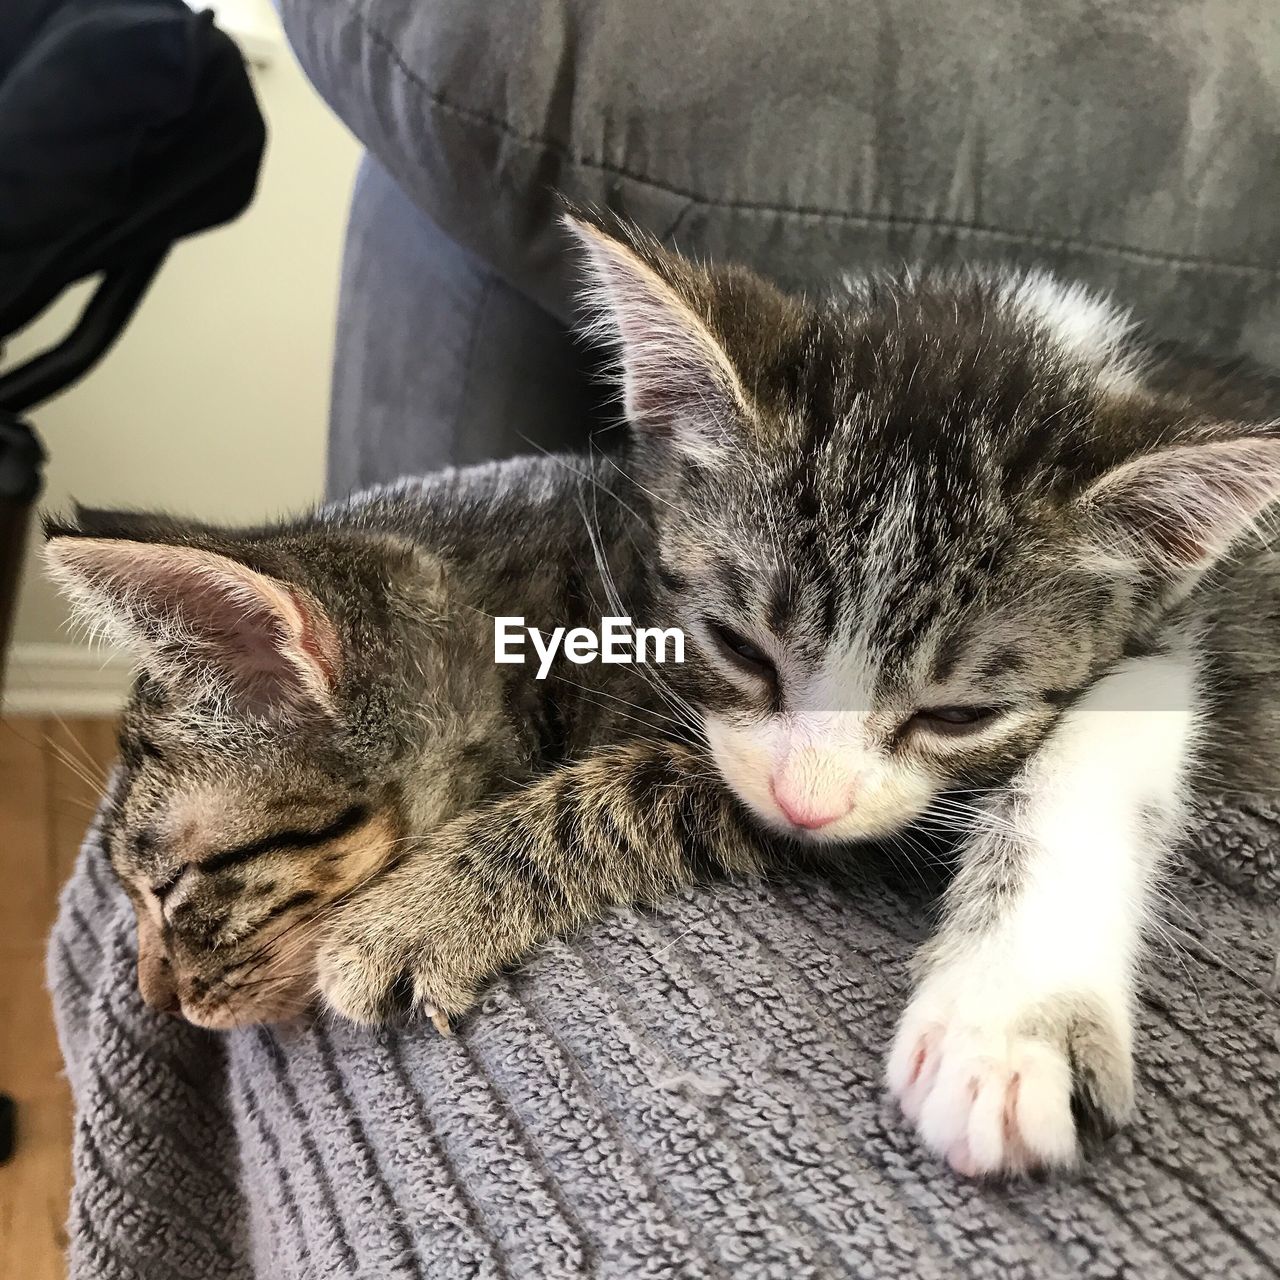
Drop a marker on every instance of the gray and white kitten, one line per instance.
(948, 547)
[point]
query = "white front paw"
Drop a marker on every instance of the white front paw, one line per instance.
(997, 1084)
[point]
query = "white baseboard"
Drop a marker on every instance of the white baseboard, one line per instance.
(66, 680)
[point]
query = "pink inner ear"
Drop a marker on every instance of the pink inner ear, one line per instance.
(243, 633)
(317, 638)
(272, 641)
(205, 620)
(1182, 507)
(675, 373)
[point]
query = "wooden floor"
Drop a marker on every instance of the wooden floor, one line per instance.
(50, 775)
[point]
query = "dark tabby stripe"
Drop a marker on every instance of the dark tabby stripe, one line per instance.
(303, 898)
(551, 727)
(673, 581)
(521, 865)
(700, 859)
(784, 599)
(342, 825)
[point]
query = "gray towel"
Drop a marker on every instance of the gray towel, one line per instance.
(693, 1091)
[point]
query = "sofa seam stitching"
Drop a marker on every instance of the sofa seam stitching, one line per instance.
(469, 362)
(885, 220)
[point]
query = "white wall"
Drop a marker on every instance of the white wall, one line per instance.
(214, 402)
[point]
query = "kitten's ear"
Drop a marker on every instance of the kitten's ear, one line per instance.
(1179, 509)
(203, 623)
(678, 383)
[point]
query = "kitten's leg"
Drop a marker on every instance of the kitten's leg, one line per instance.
(1022, 1019)
(628, 824)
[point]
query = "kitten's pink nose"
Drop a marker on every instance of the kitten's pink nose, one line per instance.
(803, 809)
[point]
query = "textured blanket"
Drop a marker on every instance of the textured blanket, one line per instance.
(689, 1092)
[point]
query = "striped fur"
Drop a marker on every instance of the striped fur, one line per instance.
(940, 545)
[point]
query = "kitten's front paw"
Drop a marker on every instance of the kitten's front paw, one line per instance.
(373, 972)
(1001, 1089)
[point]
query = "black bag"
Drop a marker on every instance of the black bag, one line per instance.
(124, 125)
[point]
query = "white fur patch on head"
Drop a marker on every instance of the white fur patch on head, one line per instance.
(1087, 327)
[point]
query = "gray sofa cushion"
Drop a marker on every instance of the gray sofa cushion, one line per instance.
(1130, 145)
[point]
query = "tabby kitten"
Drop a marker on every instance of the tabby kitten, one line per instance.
(944, 547)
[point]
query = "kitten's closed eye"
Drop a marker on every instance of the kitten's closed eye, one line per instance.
(166, 885)
(953, 721)
(741, 652)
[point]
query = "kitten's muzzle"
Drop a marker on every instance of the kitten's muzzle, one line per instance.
(803, 808)
(223, 1006)
(279, 988)
(156, 979)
